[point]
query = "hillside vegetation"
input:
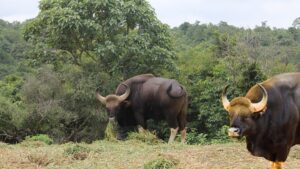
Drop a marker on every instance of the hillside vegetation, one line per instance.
(52, 65)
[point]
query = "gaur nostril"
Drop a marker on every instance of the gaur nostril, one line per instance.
(236, 130)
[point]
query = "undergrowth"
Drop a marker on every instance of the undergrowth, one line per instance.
(161, 163)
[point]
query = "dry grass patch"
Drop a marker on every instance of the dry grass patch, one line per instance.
(77, 152)
(33, 144)
(40, 159)
(135, 154)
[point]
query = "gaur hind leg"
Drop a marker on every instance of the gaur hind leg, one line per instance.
(182, 126)
(173, 124)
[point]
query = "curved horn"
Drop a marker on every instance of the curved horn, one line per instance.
(256, 107)
(101, 98)
(225, 101)
(126, 94)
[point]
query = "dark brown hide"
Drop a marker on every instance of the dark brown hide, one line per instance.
(152, 98)
(272, 132)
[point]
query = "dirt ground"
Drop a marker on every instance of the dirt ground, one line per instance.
(133, 155)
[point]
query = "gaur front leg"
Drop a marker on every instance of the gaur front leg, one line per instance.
(173, 134)
(142, 125)
(276, 165)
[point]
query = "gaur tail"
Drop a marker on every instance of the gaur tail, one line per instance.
(175, 95)
(182, 115)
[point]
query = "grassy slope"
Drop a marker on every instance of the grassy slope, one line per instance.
(134, 154)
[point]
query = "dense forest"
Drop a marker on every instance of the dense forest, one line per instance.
(52, 65)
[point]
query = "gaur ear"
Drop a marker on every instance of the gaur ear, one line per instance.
(263, 111)
(258, 114)
(126, 103)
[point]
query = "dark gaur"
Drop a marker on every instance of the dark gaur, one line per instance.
(268, 116)
(146, 97)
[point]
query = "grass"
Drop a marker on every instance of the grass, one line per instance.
(145, 136)
(110, 132)
(135, 154)
(161, 163)
(40, 137)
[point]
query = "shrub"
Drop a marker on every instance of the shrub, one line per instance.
(193, 137)
(161, 163)
(75, 149)
(144, 136)
(40, 137)
(11, 121)
(221, 136)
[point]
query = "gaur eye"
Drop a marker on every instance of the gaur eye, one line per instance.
(245, 118)
(255, 115)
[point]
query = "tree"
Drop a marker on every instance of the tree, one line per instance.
(296, 23)
(251, 76)
(61, 109)
(122, 36)
(92, 44)
(12, 47)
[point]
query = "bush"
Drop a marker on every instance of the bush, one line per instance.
(161, 163)
(195, 138)
(40, 137)
(144, 136)
(63, 106)
(11, 121)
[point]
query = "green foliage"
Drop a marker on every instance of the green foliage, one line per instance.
(110, 131)
(161, 163)
(90, 45)
(42, 93)
(144, 136)
(121, 36)
(11, 121)
(210, 57)
(296, 22)
(193, 137)
(250, 77)
(72, 48)
(221, 136)
(63, 109)
(76, 148)
(40, 137)
(12, 48)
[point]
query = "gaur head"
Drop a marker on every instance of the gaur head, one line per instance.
(243, 113)
(113, 102)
